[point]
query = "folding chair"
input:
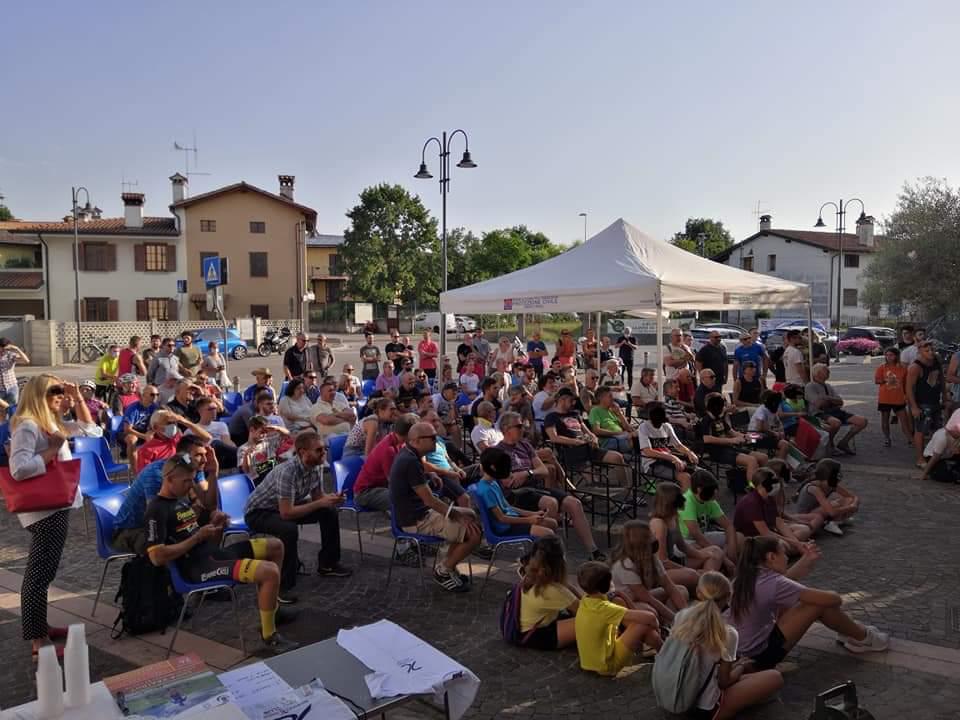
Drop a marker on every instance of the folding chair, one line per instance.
(490, 535)
(188, 589)
(368, 388)
(105, 509)
(345, 473)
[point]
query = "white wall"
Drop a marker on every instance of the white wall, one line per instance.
(808, 264)
(125, 285)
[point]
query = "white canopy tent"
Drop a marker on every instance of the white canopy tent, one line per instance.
(623, 268)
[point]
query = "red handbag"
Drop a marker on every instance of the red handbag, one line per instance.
(54, 490)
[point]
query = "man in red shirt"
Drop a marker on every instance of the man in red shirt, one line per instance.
(370, 491)
(164, 436)
(130, 360)
(428, 352)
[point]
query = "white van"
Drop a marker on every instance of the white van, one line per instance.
(432, 321)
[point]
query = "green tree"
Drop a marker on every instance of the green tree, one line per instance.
(5, 213)
(461, 245)
(917, 262)
(391, 249)
(717, 239)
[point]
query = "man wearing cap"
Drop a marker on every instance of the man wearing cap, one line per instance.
(295, 358)
(263, 380)
(751, 351)
(175, 534)
(332, 413)
(290, 496)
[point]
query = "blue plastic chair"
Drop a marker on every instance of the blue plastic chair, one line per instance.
(368, 387)
(4, 437)
(232, 401)
(100, 447)
(418, 540)
(345, 473)
(113, 433)
(335, 445)
(105, 510)
(232, 499)
(187, 589)
(94, 482)
(493, 539)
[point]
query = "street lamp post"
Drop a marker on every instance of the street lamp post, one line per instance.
(75, 194)
(443, 142)
(584, 216)
(840, 209)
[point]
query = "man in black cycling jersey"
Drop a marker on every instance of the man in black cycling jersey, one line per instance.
(175, 534)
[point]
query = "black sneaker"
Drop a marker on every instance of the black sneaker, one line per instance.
(484, 552)
(285, 615)
(287, 599)
(337, 570)
(407, 558)
(450, 581)
(277, 644)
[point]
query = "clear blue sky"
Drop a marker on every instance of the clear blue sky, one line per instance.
(649, 111)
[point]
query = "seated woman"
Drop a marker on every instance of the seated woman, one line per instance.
(730, 688)
(680, 558)
(387, 380)
(547, 595)
(766, 422)
(771, 611)
(366, 433)
(722, 442)
(747, 389)
(640, 576)
(295, 407)
(814, 501)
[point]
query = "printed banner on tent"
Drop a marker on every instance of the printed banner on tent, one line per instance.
(534, 302)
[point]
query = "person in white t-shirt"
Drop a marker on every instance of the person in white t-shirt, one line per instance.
(485, 434)
(701, 626)
(332, 413)
(676, 355)
(793, 363)
(664, 456)
(942, 453)
(543, 401)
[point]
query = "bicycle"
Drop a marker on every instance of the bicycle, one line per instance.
(93, 349)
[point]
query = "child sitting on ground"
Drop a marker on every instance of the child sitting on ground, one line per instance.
(601, 647)
(546, 595)
(504, 518)
(641, 577)
(814, 498)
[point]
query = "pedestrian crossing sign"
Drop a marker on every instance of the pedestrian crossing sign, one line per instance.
(211, 271)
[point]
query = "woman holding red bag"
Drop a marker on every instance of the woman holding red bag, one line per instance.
(39, 436)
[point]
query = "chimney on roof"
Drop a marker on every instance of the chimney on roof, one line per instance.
(179, 183)
(286, 186)
(865, 231)
(766, 222)
(132, 209)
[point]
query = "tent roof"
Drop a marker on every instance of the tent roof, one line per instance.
(622, 268)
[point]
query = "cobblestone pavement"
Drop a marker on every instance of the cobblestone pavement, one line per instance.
(894, 568)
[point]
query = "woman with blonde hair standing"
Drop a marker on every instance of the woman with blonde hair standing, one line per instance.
(39, 436)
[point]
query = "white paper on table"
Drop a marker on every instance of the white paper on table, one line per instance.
(222, 699)
(403, 664)
(226, 711)
(254, 684)
(302, 704)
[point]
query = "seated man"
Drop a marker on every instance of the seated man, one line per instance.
(129, 532)
(544, 400)
(702, 521)
(644, 390)
(99, 410)
(439, 463)
(611, 380)
(723, 444)
(489, 390)
(174, 534)
(164, 436)
(484, 433)
(263, 449)
(664, 456)
(408, 394)
(565, 429)
(263, 382)
(942, 453)
(686, 389)
(708, 385)
(311, 385)
(332, 414)
(519, 401)
(609, 423)
(127, 394)
(183, 402)
(289, 496)
(417, 510)
(263, 404)
(682, 421)
(136, 422)
(824, 404)
(588, 391)
(370, 490)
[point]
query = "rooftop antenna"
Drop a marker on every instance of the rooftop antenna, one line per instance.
(127, 185)
(760, 210)
(186, 156)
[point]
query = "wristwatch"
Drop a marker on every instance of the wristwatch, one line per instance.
(529, 475)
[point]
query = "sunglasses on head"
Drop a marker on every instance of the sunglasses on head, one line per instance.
(56, 390)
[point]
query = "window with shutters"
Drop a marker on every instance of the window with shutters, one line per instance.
(158, 308)
(851, 261)
(258, 264)
(260, 311)
(97, 309)
(334, 291)
(746, 263)
(849, 297)
(208, 226)
(258, 227)
(98, 257)
(155, 256)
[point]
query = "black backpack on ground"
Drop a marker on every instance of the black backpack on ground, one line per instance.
(147, 600)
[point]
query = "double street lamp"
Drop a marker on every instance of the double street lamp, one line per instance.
(840, 209)
(466, 162)
(87, 209)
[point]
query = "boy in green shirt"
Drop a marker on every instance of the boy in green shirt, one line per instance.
(609, 424)
(701, 512)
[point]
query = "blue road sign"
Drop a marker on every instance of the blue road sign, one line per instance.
(181, 286)
(211, 271)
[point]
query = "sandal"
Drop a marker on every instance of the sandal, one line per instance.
(58, 648)
(57, 633)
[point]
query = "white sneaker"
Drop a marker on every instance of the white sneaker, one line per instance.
(875, 641)
(832, 528)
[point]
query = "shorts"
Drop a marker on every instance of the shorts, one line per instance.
(725, 455)
(662, 470)
(515, 531)
(622, 656)
(888, 407)
(237, 562)
(437, 525)
(839, 413)
(375, 498)
(529, 498)
(930, 420)
(773, 654)
(767, 441)
(543, 638)
(579, 455)
(714, 537)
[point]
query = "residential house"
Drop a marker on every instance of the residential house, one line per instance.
(324, 271)
(262, 235)
(811, 257)
(128, 266)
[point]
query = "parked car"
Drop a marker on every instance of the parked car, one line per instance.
(797, 325)
(883, 336)
(236, 347)
(465, 324)
(729, 338)
(431, 321)
(774, 340)
(722, 326)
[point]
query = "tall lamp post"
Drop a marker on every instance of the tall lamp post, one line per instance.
(75, 194)
(443, 142)
(584, 216)
(840, 210)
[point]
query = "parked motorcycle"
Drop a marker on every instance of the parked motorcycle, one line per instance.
(274, 342)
